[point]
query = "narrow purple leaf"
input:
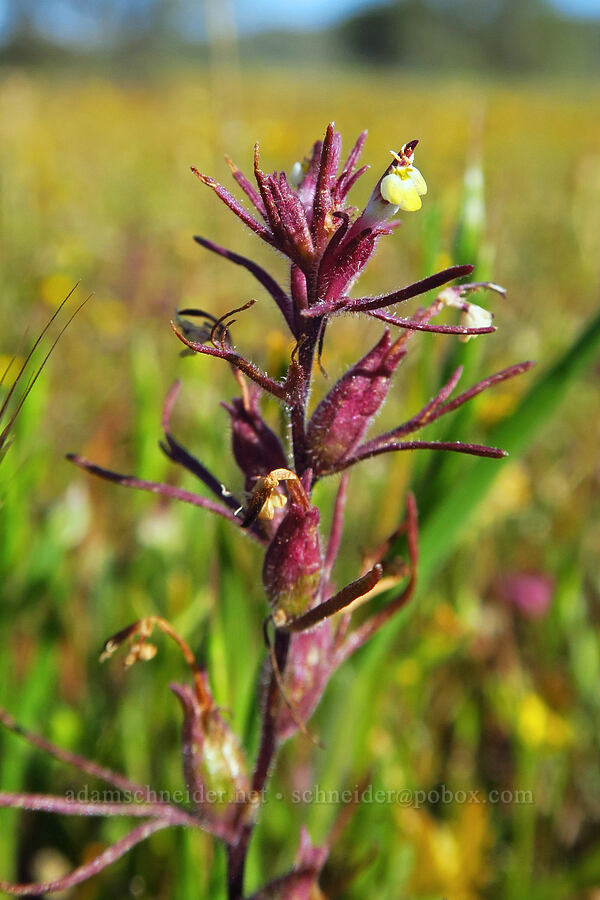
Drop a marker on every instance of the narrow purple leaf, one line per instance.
(373, 449)
(486, 383)
(73, 759)
(277, 293)
(294, 219)
(247, 187)
(364, 304)
(264, 187)
(153, 487)
(437, 407)
(347, 178)
(178, 454)
(339, 601)
(230, 201)
(306, 190)
(429, 413)
(50, 804)
(235, 359)
(323, 203)
(415, 325)
(351, 181)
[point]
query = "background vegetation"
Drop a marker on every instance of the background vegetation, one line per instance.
(466, 691)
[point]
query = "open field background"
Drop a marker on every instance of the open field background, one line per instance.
(466, 691)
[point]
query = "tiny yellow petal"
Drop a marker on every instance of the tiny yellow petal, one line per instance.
(267, 512)
(400, 192)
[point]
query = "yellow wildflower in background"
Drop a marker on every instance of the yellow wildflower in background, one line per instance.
(450, 857)
(539, 726)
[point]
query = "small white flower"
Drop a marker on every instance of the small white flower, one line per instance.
(474, 317)
(296, 175)
(471, 315)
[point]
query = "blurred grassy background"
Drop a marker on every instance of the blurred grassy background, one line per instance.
(471, 694)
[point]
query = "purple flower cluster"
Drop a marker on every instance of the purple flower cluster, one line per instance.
(304, 217)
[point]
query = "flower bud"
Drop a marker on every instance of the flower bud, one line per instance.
(256, 448)
(301, 882)
(293, 564)
(214, 766)
(305, 678)
(471, 315)
(474, 316)
(344, 415)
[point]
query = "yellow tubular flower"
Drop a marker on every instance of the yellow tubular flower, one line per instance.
(405, 185)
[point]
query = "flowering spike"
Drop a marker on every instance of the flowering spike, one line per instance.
(305, 217)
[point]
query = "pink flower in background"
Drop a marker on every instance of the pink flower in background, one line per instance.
(529, 593)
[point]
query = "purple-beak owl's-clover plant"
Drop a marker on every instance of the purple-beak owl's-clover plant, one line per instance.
(310, 631)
